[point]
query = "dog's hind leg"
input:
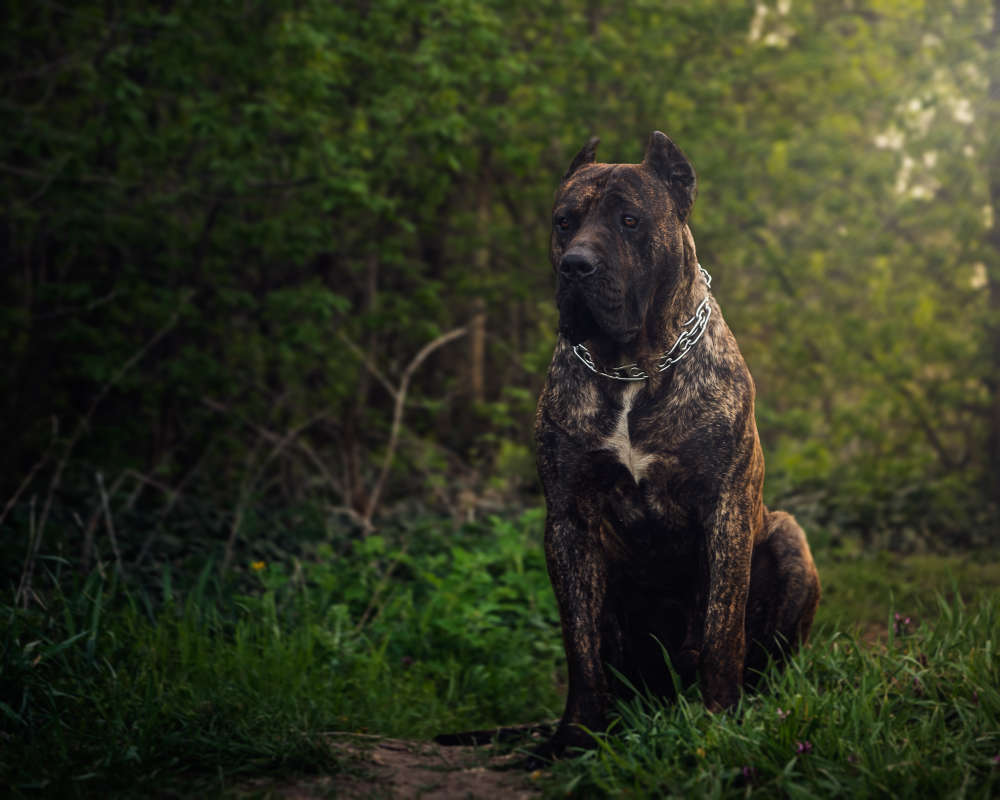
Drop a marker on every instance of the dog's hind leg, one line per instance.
(784, 593)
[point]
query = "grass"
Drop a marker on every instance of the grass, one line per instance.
(860, 588)
(919, 717)
(110, 689)
(188, 684)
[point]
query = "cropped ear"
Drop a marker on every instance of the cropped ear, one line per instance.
(585, 156)
(668, 163)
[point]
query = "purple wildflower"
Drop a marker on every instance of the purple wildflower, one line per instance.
(749, 772)
(803, 747)
(783, 714)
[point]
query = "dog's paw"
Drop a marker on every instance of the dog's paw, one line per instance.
(567, 742)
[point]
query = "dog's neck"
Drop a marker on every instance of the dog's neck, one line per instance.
(669, 309)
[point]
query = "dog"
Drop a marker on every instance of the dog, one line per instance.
(657, 540)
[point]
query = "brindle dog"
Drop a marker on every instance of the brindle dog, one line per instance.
(657, 537)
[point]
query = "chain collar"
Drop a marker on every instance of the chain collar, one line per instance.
(688, 338)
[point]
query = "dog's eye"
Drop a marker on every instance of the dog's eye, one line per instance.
(629, 221)
(562, 223)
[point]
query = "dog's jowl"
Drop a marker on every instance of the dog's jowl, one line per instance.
(656, 536)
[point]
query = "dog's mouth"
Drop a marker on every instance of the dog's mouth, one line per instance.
(582, 318)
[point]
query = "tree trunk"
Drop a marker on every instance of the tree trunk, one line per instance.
(477, 326)
(992, 253)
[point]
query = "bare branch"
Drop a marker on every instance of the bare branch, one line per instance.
(349, 512)
(368, 365)
(27, 575)
(67, 312)
(397, 415)
(109, 522)
(280, 442)
(275, 437)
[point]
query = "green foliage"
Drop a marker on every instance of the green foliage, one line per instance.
(229, 229)
(129, 692)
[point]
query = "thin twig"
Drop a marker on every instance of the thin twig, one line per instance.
(253, 478)
(27, 575)
(349, 512)
(173, 495)
(34, 541)
(368, 365)
(88, 530)
(273, 436)
(109, 522)
(240, 511)
(397, 416)
(67, 312)
(376, 595)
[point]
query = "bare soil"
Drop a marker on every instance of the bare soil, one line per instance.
(400, 769)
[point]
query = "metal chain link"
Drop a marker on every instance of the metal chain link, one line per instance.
(688, 338)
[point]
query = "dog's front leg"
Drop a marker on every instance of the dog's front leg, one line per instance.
(578, 570)
(724, 648)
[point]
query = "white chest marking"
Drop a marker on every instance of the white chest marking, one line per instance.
(635, 461)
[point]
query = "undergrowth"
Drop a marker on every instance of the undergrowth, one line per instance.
(111, 688)
(918, 716)
(190, 683)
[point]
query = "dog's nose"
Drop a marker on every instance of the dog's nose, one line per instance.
(576, 265)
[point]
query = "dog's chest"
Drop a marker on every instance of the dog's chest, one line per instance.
(628, 452)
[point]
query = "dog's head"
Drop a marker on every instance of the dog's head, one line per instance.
(618, 239)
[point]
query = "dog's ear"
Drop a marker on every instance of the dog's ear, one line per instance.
(668, 163)
(585, 156)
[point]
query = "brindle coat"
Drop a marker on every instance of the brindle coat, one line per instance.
(656, 531)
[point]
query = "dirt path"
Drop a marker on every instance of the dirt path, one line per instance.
(400, 769)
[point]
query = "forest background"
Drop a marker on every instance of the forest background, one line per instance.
(228, 230)
(274, 275)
